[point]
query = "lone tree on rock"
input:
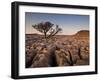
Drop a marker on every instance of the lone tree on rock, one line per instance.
(46, 28)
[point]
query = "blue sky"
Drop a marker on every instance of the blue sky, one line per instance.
(69, 23)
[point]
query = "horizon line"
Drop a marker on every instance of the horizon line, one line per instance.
(58, 34)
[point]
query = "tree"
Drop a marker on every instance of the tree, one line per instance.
(46, 28)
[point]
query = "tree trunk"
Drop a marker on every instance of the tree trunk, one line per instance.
(45, 36)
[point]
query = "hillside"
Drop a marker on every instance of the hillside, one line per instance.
(82, 33)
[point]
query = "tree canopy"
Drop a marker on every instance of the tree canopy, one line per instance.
(47, 28)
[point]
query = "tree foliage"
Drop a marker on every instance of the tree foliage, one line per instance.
(47, 29)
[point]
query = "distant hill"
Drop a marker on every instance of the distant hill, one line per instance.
(82, 33)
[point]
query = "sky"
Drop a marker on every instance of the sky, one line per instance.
(70, 23)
